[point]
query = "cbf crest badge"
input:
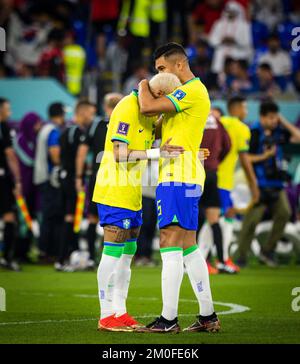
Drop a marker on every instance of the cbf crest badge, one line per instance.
(126, 224)
(179, 94)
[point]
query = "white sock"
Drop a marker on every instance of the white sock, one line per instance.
(105, 273)
(227, 231)
(205, 240)
(121, 284)
(171, 276)
(198, 274)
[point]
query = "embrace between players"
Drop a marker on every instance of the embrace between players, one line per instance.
(184, 102)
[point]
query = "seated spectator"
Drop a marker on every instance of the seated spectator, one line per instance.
(201, 65)
(264, 81)
(231, 35)
(140, 72)
(241, 83)
(277, 58)
(51, 63)
(205, 14)
(268, 12)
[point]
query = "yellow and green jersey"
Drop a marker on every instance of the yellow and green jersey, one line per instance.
(239, 134)
(185, 126)
(120, 184)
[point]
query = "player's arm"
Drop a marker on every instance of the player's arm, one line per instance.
(54, 154)
(150, 105)
(122, 153)
(54, 147)
(248, 168)
(268, 153)
(14, 167)
(292, 129)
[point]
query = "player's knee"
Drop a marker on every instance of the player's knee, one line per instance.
(170, 238)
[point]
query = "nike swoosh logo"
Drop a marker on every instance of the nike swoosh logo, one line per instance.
(140, 130)
(170, 328)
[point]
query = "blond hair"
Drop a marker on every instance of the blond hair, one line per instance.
(165, 82)
(111, 99)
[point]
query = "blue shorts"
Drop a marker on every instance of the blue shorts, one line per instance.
(178, 204)
(226, 201)
(116, 216)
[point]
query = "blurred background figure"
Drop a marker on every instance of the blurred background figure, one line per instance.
(70, 141)
(10, 186)
(217, 141)
(25, 148)
(231, 35)
(47, 161)
(267, 138)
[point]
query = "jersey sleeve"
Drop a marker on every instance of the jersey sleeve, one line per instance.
(53, 139)
(124, 121)
(181, 98)
(244, 139)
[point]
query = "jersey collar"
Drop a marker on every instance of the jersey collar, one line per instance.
(191, 80)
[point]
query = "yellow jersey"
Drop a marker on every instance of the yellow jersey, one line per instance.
(239, 134)
(185, 126)
(119, 184)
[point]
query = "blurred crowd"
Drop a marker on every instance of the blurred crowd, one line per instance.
(235, 47)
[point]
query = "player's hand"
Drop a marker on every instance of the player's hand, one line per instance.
(203, 154)
(79, 184)
(170, 151)
(143, 83)
(269, 153)
(18, 189)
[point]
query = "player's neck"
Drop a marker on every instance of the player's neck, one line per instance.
(187, 76)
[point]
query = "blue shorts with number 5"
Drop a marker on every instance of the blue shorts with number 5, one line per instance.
(178, 204)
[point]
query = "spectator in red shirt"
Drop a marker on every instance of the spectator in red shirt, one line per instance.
(216, 139)
(206, 13)
(51, 63)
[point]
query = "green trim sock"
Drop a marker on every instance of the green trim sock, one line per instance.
(171, 276)
(109, 262)
(122, 277)
(113, 249)
(197, 271)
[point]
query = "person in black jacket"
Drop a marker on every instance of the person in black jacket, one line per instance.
(70, 140)
(10, 186)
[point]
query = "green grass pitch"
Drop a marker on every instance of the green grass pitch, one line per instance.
(48, 307)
